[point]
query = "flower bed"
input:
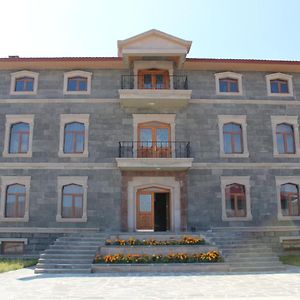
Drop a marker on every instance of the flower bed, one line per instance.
(209, 257)
(186, 240)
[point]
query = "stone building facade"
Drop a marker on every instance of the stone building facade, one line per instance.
(157, 141)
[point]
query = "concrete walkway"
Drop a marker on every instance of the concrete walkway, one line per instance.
(24, 284)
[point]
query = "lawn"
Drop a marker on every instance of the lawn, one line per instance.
(15, 264)
(291, 260)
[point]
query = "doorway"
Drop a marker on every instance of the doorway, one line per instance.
(153, 209)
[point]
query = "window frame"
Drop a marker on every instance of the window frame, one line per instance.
(239, 120)
(71, 118)
(290, 120)
(14, 76)
(280, 180)
(77, 73)
(10, 180)
(280, 76)
(67, 180)
(14, 119)
(229, 75)
(242, 180)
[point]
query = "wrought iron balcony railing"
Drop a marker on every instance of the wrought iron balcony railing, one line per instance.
(149, 149)
(176, 82)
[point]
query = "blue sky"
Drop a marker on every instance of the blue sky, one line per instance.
(218, 28)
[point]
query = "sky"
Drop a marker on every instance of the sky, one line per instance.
(261, 29)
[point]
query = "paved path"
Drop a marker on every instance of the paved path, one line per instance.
(23, 284)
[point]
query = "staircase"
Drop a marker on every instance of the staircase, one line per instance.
(70, 254)
(246, 252)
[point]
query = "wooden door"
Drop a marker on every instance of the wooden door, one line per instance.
(145, 210)
(153, 79)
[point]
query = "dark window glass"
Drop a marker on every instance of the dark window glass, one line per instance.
(235, 198)
(15, 201)
(24, 84)
(289, 199)
(72, 201)
(19, 138)
(279, 86)
(77, 84)
(228, 85)
(232, 136)
(74, 138)
(147, 81)
(11, 248)
(285, 139)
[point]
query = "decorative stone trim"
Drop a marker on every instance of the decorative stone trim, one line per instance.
(242, 120)
(292, 120)
(13, 119)
(23, 240)
(16, 75)
(232, 75)
(87, 75)
(244, 180)
(283, 180)
(65, 180)
(6, 181)
(65, 119)
(280, 76)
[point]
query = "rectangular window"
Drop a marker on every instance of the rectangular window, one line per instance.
(12, 248)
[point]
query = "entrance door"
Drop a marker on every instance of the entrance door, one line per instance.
(154, 140)
(153, 209)
(153, 79)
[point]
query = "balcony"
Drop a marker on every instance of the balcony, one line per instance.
(139, 91)
(148, 155)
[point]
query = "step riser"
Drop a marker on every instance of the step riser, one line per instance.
(61, 271)
(64, 266)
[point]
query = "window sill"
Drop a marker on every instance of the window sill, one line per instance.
(16, 155)
(227, 219)
(295, 155)
(229, 94)
(23, 93)
(75, 155)
(6, 219)
(234, 155)
(71, 220)
(77, 93)
(280, 95)
(288, 218)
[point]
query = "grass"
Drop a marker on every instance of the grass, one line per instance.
(293, 260)
(15, 264)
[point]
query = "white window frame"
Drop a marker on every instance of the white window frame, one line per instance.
(20, 74)
(5, 182)
(241, 120)
(244, 180)
(293, 121)
(66, 180)
(232, 75)
(69, 118)
(283, 180)
(280, 76)
(75, 73)
(13, 119)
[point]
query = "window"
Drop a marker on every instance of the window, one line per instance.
(74, 135)
(18, 136)
(15, 198)
(233, 136)
(72, 199)
(285, 136)
(77, 83)
(12, 248)
(279, 84)
(24, 83)
(228, 83)
(74, 138)
(288, 202)
(153, 79)
(236, 198)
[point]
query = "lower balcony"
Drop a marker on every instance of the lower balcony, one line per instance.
(148, 155)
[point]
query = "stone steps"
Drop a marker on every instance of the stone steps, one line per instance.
(63, 260)
(62, 271)
(63, 266)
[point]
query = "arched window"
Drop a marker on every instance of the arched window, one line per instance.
(74, 137)
(77, 83)
(233, 140)
(72, 201)
(19, 138)
(15, 201)
(24, 84)
(228, 85)
(285, 138)
(235, 199)
(289, 199)
(279, 86)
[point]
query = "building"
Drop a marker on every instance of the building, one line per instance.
(150, 140)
